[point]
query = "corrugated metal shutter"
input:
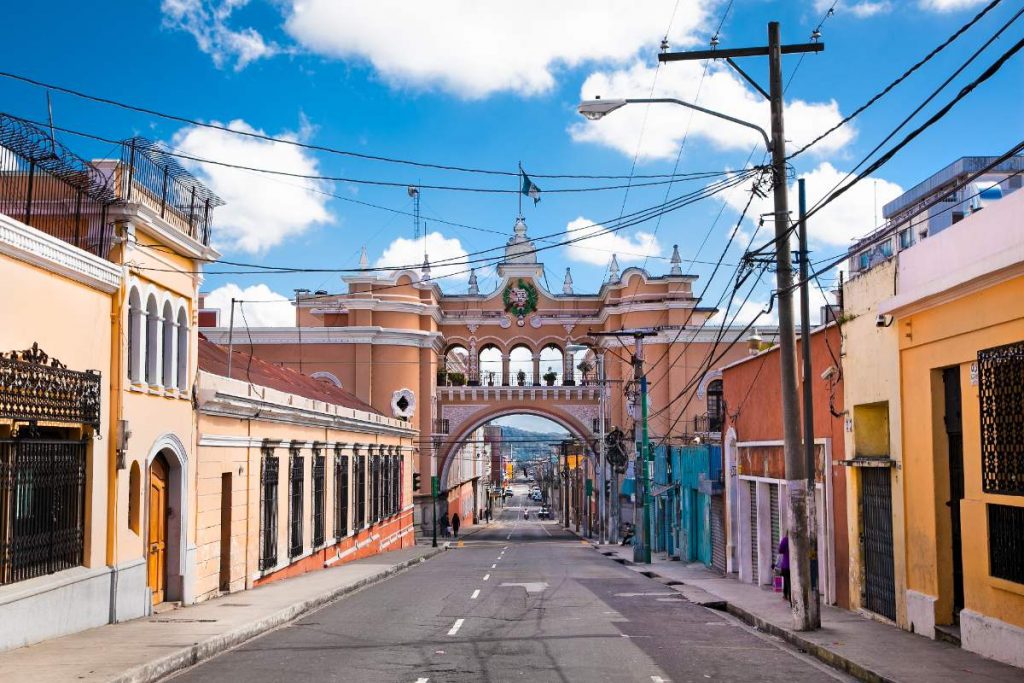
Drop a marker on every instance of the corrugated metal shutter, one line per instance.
(718, 533)
(773, 490)
(753, 529)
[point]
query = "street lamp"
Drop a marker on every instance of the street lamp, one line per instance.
(597, 108)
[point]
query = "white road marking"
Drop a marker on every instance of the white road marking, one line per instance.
(505, 547)
(422, 680)
(658, 679)
(486, 576)
(531, 587)
(494, 566)
(475, 595)
(455, 629)
(645, 595)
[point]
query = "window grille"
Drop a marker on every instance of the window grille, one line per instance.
(318, 498)
(1006, 542)
(269, 484)
(1001, 399)
(42, 507)
(295, 486)
(715, 403)
(340, 495)
(360, 462)
(375, 488)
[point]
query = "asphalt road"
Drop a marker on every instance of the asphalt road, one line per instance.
(522, 600)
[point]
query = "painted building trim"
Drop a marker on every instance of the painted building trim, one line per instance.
(329, 335)
(27, 244)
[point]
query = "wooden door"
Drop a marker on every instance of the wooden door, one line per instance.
(157, 565)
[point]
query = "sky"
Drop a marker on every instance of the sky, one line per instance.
(489, 86)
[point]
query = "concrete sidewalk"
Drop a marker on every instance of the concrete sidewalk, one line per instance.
(152, 647)
(860, 646)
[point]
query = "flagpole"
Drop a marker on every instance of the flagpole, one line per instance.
(519, 189)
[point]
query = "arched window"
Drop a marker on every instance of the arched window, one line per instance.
(715, 406)
(551, 362)
(490, 366)
(183, 346)
(520, 360)
(134, 498)
(456, 367)
(152, 341)
(169, 375)
(136, 342)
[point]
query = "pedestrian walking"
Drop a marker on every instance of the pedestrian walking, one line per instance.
(455, 524)
(783, 567)
(488, 515)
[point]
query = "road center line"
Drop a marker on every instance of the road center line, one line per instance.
(455, 629)
(422, 680)
(494, 566)
(475, 595)
(486, 576)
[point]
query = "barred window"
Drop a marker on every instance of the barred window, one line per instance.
(269, 485)
(360, 463)
(1001, 399)
(295, 491)
(1006, 542)
(375, 488)
(42, 507)
(318, 498)
(340, 494)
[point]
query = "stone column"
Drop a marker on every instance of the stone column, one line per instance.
(536, 369)
(504, 369)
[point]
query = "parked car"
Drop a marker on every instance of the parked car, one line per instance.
(545, 513)
(508, 493)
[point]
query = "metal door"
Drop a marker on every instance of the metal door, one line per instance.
(773, 499)
(879, 593)
(753, 531)
(718, 533)
(955, 440)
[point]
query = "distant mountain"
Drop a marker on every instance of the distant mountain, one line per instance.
(523, 444)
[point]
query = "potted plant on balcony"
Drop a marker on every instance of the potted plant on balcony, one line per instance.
(550, 376)
(521, 377)
(442, 378)
(457, 379)
(586, 367)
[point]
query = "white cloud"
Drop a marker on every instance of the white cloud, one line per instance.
(722, 90)
(947, 5)
(262, 307)
(207, 22)
(474, 49)
(261, 210)
(862, 10)
(850, 216)
(408, 253)
(601, 243)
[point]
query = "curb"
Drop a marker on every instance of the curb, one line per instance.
(823, 654)
(198, 652)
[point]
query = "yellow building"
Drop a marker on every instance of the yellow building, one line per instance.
(959, 316)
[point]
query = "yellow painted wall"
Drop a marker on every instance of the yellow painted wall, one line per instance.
(871, 386)
(951, 334)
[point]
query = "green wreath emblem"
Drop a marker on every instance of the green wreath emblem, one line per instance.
(525, 307)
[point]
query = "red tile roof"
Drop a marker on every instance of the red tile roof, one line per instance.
(214, 359)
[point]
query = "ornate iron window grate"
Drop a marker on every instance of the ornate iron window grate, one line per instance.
(42, 507)
(1006, 542)
(360, 520)
(319, 468)
(34, 386)
(1001, 398)
(269, 486)
(295, 490)
(340, 496)
(375, 488)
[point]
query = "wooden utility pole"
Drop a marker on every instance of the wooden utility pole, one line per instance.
(804, 614)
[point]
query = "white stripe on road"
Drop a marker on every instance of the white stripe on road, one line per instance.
(494, 566)
(486, 576)
(422, 680)
(475, 595)
(658, 679)
(455, 629)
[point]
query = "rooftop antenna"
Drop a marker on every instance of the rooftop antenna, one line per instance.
(414, 192)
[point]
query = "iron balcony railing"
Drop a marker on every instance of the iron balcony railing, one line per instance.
(151, 176)
(35, 387)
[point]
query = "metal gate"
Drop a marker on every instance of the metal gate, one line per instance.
(753, 531)
(718, 533)
(773, 498)
(42, 507)
(876, 539)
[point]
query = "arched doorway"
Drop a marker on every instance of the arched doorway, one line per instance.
(552, 362)
(491, 366)
(156, 574)
(520, 366)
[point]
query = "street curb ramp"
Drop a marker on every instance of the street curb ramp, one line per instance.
(201, 651)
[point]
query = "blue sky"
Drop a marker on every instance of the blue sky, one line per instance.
(489, 85)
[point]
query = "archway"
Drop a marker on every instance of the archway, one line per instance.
(174, 459)
(520, 366)
(552, 362)
(491, 366)
(456, 366)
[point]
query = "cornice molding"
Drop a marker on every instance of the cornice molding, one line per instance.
(182, 243)
(28, 244)
(327, 335)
